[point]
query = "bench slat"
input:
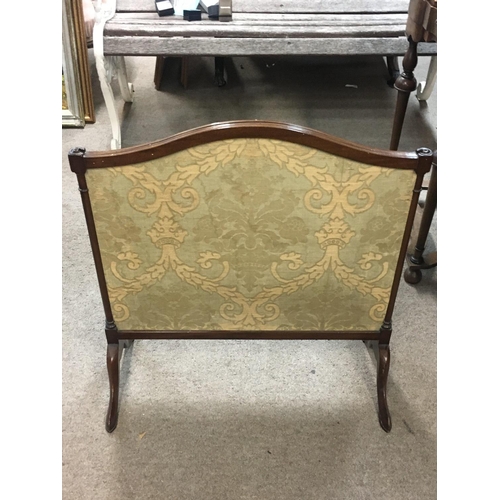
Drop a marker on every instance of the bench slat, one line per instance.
(203, 46)
(135, 6)
(320, 18)
(320, 6)
(288, 6)
(271, 19)
(228, 30)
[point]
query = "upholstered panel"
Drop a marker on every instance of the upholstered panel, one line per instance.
(250, 234)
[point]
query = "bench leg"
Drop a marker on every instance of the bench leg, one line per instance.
(425, 88)
(159, 69)
(126, 88)
(109, 67)
(184, 71)
(103, 70)
(393, 68)
(219, 72)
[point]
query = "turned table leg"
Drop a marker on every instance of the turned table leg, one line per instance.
(405, 84)
(415, 258)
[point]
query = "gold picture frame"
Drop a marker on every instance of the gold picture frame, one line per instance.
(77, 102)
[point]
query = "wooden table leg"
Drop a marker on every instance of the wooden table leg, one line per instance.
(415, 258)
(405, 84)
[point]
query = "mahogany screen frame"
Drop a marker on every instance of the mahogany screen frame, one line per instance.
(80, 160)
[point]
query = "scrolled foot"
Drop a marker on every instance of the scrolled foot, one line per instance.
(384, 419)
(111, 422)
(412, 276)
(113, 362)
(384, 359)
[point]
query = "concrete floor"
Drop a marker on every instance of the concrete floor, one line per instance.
(214, 420)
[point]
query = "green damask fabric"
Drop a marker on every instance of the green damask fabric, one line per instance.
(250, 234)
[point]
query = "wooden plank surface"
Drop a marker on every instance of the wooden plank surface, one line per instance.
(320, 6)
(265, 27)
(136, 6)
(320, 18)
(203, 46)
(270, 19)
(228, 30)
(288, 6)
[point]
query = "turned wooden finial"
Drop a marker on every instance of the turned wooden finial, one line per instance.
(406, 82)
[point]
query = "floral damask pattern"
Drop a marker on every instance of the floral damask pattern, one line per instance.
(250, 234)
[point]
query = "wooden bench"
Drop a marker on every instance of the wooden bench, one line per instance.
(256, 28)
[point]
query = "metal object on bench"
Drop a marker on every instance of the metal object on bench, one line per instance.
(164, 8)
(192, 15)
(298, 251)
(225, 10)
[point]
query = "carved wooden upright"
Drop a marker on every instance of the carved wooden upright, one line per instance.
(420, 27)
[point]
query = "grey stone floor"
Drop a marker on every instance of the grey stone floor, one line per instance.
(248, 419)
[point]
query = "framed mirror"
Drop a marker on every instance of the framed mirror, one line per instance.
(77, 102)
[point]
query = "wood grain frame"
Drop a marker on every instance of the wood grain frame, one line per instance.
(75, 57)
(420, 161)
(80, 160)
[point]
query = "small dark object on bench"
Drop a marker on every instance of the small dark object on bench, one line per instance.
(192, 15)
(164, 8)
(213, 12)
